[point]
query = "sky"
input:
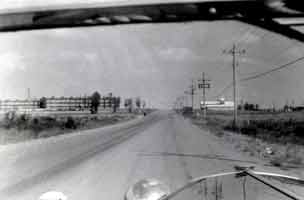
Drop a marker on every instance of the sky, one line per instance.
(154, 61)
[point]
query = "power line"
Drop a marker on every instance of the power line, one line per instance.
(240, 36)
(247, 35)
(254, 30)
(272, 70)
(292, 45)
(244, 35)
(228, 86)
(262, 36)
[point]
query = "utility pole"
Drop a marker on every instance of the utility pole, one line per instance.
(204, 84)
(192, 88)
(192, 93)
(234, 52)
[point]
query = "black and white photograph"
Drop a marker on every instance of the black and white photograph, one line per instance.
(151, 99)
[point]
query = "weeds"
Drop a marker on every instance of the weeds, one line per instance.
(282, 134)
(16, 128)
(70, 123)
(284, 131)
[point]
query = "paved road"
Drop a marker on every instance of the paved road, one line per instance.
(102, 163)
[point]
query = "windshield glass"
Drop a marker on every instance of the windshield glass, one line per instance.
(90, 111)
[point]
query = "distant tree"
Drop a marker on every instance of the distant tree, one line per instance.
(251, 107)
(111, 100)
(286, 108)
(116, 103)
(129, 104)
(257, 107)
(42, 102)
(104, 101)
(126, 103)
(138, 102)
(246, 106)
(70, 123)
(95, 101)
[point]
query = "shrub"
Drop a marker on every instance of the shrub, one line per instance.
(21, 122)
(95, 118)
(48, 122)
(299, 130)
(9, 119)
(35, 125)
(70, 123)
(277, 161)
(273, 130)
(220, 133)
(250, 130)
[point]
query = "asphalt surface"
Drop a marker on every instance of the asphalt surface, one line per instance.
(102, 163)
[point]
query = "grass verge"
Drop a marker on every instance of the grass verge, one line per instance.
(277, 140)
(23, 127)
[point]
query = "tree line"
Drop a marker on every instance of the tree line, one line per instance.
(112, 102)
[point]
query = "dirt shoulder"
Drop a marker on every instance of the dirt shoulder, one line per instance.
(286, 157)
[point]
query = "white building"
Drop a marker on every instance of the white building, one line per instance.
(220, 104)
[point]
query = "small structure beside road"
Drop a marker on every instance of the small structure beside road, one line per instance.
(220, 104)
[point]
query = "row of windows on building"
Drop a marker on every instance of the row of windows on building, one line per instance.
(56, 103)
